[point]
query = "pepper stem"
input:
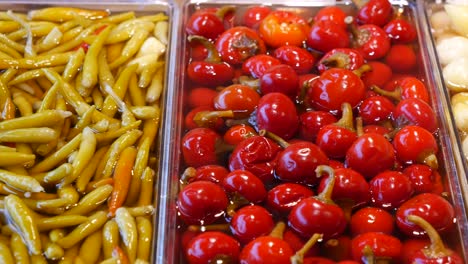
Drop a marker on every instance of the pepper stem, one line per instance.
(283, 143)
(233, 122)
(359, 126)
(237, 201)
(437, 248)
(337, 60)
(188, 173)
(222, 147)
(347, 206)
(431, 161)
(359, 3)
(387, 124)
(223, 11)
(213, 55)
(303, 91)
(368, 255)
(298, 258)
(326, 194)
(363, 69)
(395, 94)
(278, 230)
(370, 258)
(352, 27)
(209, 118)
(346, 119)
(214, 227)
(250, 81)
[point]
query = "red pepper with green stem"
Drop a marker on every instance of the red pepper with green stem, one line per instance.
(212, 71)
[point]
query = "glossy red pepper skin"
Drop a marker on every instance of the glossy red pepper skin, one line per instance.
(401, 31)
(254, 15)
(345, 58)
(256, 154)
(372, 42)
(266, 249)
(209, 22)
(324, 36)
(377, 12)
(207, 246)
(312, 215)
(370, 154)
(277, 113)
(282, 198)
(201, 21)
(237, 44)
(201, 202)
(381, 244)
(331, 14)
(432, 207)
(413, 144)
(199, 147)
(212, 71)
(257, 65)
(297, 160)
(335, 87)
(300, 59)
(209, 73)
(350, 186)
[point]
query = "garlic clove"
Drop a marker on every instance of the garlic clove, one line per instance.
(459, 98)
(445, 35)
(459, 16)
(465, 147)
(456, 75)
(441, 23)
(460, 113)
(452, 48)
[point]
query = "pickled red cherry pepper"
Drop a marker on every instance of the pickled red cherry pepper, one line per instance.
(378, 168)
(212, 71)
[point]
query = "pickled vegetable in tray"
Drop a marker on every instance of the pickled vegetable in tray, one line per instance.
(81, 98)
(450, 34)
(309, 134)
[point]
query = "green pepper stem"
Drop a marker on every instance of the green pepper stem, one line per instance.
(431, 161)
(361, 70)
(298, 258)
(214, 227)
(278, 230)
(237, 201)
(250, 81)
(209, 118)
(188, 173)
(359, 126)
(346, 119)
(222, 147)
(359, 3)
(283, 143)
(213, 55)
(337, 60)
(437, 248)
(223, 11)
(395, 94)
(368, 255)
(326, 194)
